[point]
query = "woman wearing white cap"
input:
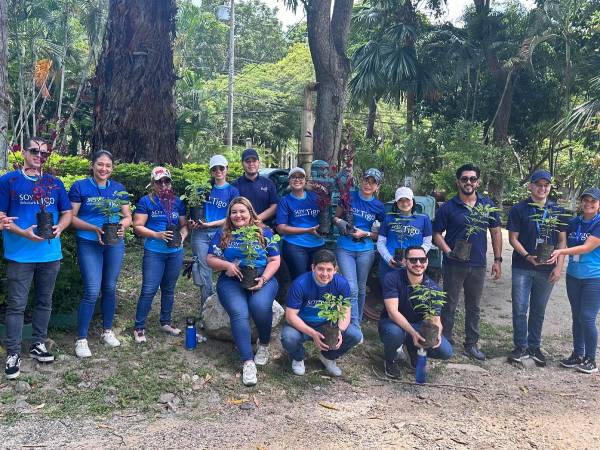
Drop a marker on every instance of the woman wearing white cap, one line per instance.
(216, 205)
(298, 225)
(402, 228)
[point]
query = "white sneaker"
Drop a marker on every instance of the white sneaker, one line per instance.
(249, 373)
(170, 330)
(298, 367)
(82, 350)
(262, 354)
(110, 339)
(331, 366)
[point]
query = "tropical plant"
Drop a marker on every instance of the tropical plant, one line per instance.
(196, 193)
(427, 300)
(42, 190)
(333, 308)
(477, 220)
(110, 208)
(167, 199)
(249, 237)
(548, 220)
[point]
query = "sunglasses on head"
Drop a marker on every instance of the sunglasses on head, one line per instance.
(217, 169)
(36, 152)
(420, 259)
(164, 181)
(471, 179)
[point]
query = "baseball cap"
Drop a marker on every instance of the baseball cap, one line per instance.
(296, 170)
(592, 192)
(249, 153)
(372, 172)
(404, 192)
(217, 160)
(541, 175)
(158, 173)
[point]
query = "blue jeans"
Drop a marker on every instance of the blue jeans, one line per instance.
(355, 267)
(241, 304)
(158, 270)
(200, 243)
(393, 336)
(293, 342)
(100, 266)
(19, 277)
(298, 259)
(530, 291)
(584, 297)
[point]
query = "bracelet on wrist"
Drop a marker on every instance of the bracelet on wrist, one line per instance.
(526, 255)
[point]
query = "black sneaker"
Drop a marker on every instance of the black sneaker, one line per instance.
(537, 355)
(587, 366)
(473, 352)
(572, 361)
(38, 351)
(392, 369)
(13, 366)
(518, 355)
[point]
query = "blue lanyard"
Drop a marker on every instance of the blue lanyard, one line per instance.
(537, 223)
(98, 187)
(592, 223)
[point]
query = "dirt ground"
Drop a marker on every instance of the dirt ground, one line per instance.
(488, 405)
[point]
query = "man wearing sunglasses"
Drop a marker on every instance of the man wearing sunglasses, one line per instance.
(29, 257)
(400, 322)
(470, 274)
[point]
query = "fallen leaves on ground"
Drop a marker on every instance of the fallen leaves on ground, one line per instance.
(328, 405)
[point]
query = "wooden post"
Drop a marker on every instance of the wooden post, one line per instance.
(305, 156)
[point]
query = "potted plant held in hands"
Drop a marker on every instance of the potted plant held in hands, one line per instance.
(42, 193)
(398, 226)
(332, 308)
(476, 221)
(249, 237)
(323, 202)
(547, 222)
(110, 208)
(196, 196)
(429, 302)
(167, 199)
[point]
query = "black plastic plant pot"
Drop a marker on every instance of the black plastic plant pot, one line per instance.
(111, 236)
(249, 275)
(429, 331)
(462, 250)
(543, 252)
(330, 333)
(398, 255)
(176, 241)
(45, 222)
(324, 221)
(198, 213)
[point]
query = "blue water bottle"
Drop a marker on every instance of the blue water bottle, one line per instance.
(190, 333)
(421, 369)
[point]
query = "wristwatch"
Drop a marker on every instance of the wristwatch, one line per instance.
(264, 280)
(498, 259)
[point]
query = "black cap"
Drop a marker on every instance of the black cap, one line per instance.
(249, 153)
(592, 192)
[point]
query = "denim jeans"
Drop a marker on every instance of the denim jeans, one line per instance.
(457, 277)
(530, 291)
(293, 342)
(584, 297)
(100, 266)
(158, 270)
(393, 336)
(355, 267)
(19, 277)
(241, 304)
(297, 258)
(200, 243)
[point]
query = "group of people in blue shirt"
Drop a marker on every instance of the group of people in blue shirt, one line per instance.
(402, 237)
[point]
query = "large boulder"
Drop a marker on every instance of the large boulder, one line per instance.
(216, 320)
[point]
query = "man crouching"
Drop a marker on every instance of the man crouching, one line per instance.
(400, 320)
(302, 314)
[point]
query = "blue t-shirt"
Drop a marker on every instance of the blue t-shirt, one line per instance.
(16, 200)
(587, 265)
(405, 231)
(157, 221)
(304, 294)
(364, 213)
(396, 285)
(261, 192)
(451, 219)
(519, 220)
(301, 213)
(88, 193)
(218, 201)
(233, 252)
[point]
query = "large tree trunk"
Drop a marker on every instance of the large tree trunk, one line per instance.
(327, 39)
(134, 115)
(370, 133)
(4, 97)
